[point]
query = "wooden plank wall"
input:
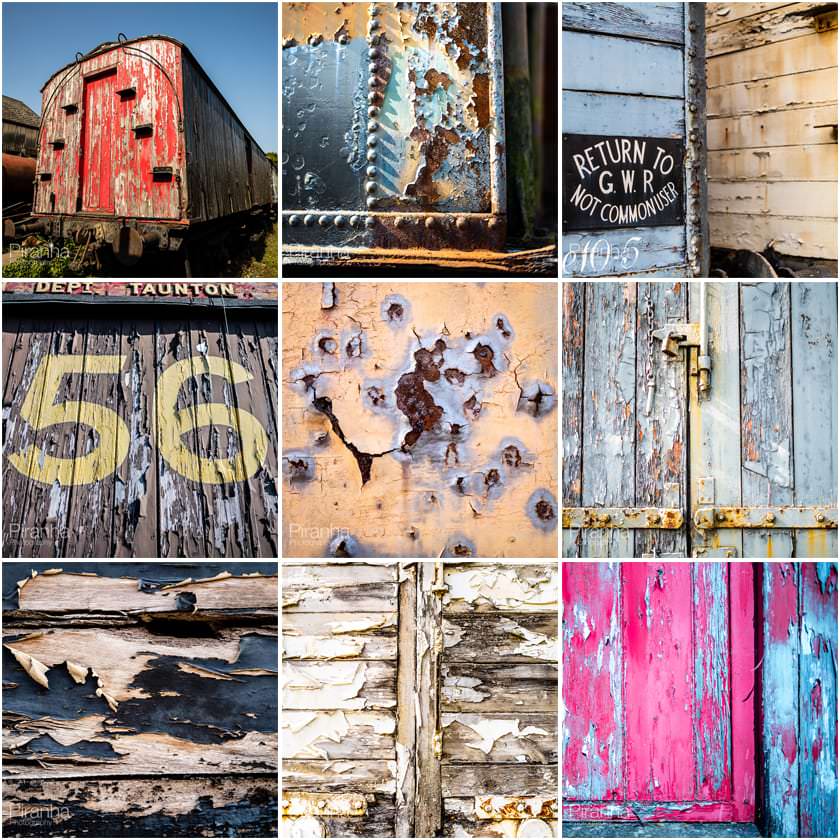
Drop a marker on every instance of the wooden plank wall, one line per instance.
(339, 688)
(140, 699)
(772, 93)
(147, 506)
(498, 705)
(798, 770)
(623, 75)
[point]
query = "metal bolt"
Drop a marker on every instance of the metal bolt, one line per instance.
(721, 517)
(372, 141)
(371, 202)
(487, 807)
(286, 803)
(374, 52)
(314, 40)
(357, 803)
(371, 155)
(370, 187)
(354, 221)
(373, 111)
(373, 83)
(461, 223)
(371, 172)
(771, 517)
(692, 107)
(399, 222)
(372, 67)
(373, 125)
(324, 221)
(294, 219)
(322, 803)
(373, 26)
(520, 806)
(339, 221)
(430, 222)
(370, 221)
(820, 517)
(604, 518)
(654, 519)
(344, 39)
(309, 220)
(692, 27)
(374, 97)
(373, 11)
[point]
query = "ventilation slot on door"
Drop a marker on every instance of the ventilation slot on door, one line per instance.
(144, 130)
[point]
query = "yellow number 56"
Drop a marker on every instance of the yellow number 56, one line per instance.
(40, 411)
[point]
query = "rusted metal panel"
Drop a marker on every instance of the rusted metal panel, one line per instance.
(598, 517)
(393, 125)
(127, 475)
(108, 676)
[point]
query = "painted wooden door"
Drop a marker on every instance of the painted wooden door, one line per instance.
(97, 156)
(419, 699)
(633, 71)
(656, 687)
(762, 435)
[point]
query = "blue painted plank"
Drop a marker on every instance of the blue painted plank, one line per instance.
(814, 359)
(652, 21)
(818, 701)
(627, 116)
(623, 251)
(621, 65)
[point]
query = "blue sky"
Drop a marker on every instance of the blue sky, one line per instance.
(235, 43)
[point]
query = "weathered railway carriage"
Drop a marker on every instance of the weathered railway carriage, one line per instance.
(139, 146)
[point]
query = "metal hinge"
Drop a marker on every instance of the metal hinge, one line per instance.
(438, 743)
(515, 808)
(784, 516)
(624, 517)
(324, 805)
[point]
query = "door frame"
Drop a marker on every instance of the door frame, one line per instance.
(743, 648)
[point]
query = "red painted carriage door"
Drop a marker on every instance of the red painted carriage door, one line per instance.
(657, 686)
(98, 148)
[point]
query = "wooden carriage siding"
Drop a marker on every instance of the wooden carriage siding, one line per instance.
(426, 693)
(20, 128)
(627, 69)
(138, 129)
(766, 433)
(772, 126)
(140, 699)
(170, 393)
(752, 708)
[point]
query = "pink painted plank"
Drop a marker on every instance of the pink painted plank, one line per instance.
(656, 621)
(592, 743)
(743, 667)
(711, 682)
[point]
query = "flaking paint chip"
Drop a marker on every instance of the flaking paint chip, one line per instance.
(37, 670)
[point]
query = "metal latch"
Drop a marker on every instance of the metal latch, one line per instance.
(624, 517)
(324, 805)
(784, 516)
(674, 336)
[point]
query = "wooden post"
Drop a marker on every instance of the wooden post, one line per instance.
(427, 816)
(406, 721)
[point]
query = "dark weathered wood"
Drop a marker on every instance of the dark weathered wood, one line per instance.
(573, 339)
(651, 21)
(494, 688)
(155, 806)
(766, 410)
(662, 441)
(511, 638)
(339, 776)
(501, 779)
(609, 407)
(530, 737)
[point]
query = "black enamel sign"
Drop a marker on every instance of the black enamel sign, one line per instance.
(618, 182)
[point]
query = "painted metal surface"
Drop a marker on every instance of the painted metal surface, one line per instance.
(655, 725)
(798, 699)
(393, 125)
(136, 129)
(772, 100)
(622, 518)
(145, 432)
(636, 70)
(758, 441)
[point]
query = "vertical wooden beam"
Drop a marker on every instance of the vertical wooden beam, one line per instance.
(714, 422)
(406, 682)
(766, 412)
(818, 701)
(427, 815)
(574, 315)
(813, 321)
(609, 411)
(661, 450)
(779, 702)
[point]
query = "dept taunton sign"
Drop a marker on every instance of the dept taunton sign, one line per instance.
(618, 182)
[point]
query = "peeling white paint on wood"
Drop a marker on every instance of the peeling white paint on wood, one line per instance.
(536, 645)
(501, 587)
(490, 730)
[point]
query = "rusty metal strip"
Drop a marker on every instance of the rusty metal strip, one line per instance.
(515, 808)
(324, 805)
(784, 516)
(627, 517)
